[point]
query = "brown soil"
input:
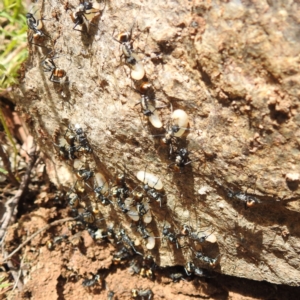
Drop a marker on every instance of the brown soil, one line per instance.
(58, 272)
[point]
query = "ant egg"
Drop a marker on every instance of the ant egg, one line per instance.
(101, 182)
(211, 238)
(151, 243)
(180, 118)
(154, 117)
(149, 179)
(147, 218)
(137, 70)
(77, 164)
(133, 214)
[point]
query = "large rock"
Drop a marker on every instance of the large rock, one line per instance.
(233, 66)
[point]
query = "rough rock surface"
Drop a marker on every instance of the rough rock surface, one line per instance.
(233, 66)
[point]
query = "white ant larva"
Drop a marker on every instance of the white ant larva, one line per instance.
(150, 179)
(132, 211)
(211, 238)
(101, 182)
(77, 164)
(154, 117)
(151, 242)
(147, 217)
(137, 68)
(180, 120)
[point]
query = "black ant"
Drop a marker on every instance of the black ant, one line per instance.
(100, 192)
(82, 12)
(125, 238)
(57, 240)
(49, 66)
(65, 152)
(248, 200)
(73, 199)
(150, 188)
(84, 174)
(181, 158)
(91, 282)
(121, 192)
(78, 16)
(100, 196)
(96, 233)
(36, 26)
(171, 236)
(205, 259)
(148, 265)
(125, 39)
(142, 294)
(123, 255)
(81, 139)
(176, 277)
(187, 231)
(143, 231)
(192, 269)
(110, 295)
(86, 217)
(131, 59)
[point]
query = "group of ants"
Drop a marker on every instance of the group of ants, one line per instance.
(87, 216)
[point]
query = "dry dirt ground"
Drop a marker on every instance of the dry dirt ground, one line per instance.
(57, 271)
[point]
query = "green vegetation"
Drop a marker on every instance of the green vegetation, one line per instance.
(13, 45)
(4, 284)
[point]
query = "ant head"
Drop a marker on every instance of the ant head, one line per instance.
(29, 16)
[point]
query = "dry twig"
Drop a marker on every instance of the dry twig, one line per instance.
(35, 234)
(7, 167)
(11, 204)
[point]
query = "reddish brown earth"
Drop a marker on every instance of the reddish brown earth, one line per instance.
(59, 273)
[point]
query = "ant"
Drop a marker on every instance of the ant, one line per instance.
(35, 25)
(81, 139)
(91, 282)
(149, 185)
(143, 231)
(248, 200)
(123, 255)
(65, 152)
(125, 238)
(171, 236)
(82, 12)
(139, 293)
(78, 16)
(84, 174)
(96, 233)
(57, 240)
(181, 159)
(187, 231)
(100, 191)
(49, 66)
(192, 269)
(86, 217)
(125, 39)
(131, 59)
(121, 192)
(205, 259)
(73, 199)
(110, 295)
(100, 196)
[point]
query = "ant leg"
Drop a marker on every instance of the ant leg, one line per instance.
(76, 24)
